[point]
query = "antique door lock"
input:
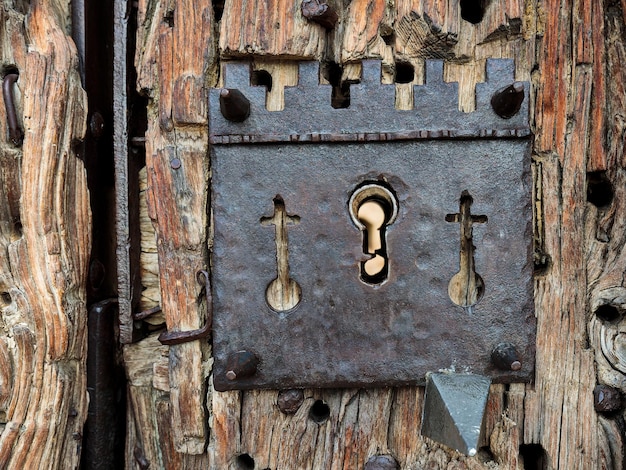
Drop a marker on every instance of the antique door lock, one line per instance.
(370, 246)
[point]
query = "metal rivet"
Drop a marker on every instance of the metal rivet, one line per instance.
(241, 364)
(505, 357)
(289, 401)
(606, 399)
(234, 106)
(507, 102)
(320, 12)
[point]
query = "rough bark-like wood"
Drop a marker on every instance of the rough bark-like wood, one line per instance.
(572, 53)
(45, 235)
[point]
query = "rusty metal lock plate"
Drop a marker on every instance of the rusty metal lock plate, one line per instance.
(368, 246)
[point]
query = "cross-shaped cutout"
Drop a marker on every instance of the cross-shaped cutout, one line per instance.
(466, 287)
(283, 293)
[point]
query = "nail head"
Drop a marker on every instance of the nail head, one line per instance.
(507, 101)
(289, 401)
(505, 357)
(606, 399)
(241, 364)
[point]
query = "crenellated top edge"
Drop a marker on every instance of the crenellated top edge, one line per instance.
(501, 108)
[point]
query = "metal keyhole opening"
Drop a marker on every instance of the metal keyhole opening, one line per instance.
(373, 207)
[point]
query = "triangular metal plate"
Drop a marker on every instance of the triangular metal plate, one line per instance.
(454, 406)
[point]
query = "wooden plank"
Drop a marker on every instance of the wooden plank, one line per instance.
(46, 241)
(273, 27)
(173, 72)
(598, 131)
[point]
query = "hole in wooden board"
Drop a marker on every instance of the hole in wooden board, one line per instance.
(261, 78)
(218, 9)
(608, 313)
(387, 33)
(169, 18)
(340, 95)
(405, 72)
(541, 263)
(5, 299)
(245, 462)
(473, 11)
(9, 70)
(599, 189)
(319, 412)
(533, 456)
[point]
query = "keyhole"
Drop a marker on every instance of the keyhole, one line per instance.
(372, 215)
(373, 207)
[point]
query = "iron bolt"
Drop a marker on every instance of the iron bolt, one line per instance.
(289, 401)
(606, 399)
(504, 356)
(234, 105)
(241, 364)
(320, 12)
(96, 125)
(381, 462)
(507, 102)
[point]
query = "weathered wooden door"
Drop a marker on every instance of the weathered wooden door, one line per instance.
(571, 52)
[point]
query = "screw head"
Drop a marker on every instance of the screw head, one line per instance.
(175, 163)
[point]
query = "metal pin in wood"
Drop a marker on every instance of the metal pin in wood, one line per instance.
(507, 102)
(234, 105)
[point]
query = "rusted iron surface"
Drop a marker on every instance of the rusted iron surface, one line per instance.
(347, 329)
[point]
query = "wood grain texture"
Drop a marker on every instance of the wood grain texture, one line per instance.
(272, 27)
(571, 52)
(149, 258)
(45, 236)
(177, 54)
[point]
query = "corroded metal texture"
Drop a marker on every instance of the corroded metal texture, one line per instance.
(343, 328)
